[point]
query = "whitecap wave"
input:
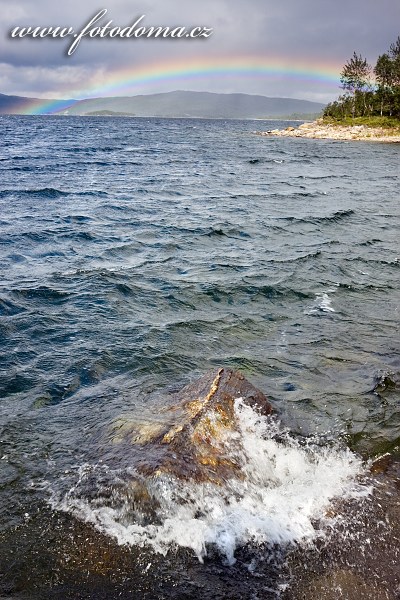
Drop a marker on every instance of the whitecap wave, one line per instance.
(323, 303)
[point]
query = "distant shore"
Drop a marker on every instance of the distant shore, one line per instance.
(328, 131)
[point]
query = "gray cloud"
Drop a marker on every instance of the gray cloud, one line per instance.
(314, 32)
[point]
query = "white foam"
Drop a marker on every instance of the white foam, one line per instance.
(323, 303)
(287, 487)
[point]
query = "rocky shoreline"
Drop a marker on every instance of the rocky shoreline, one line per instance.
(320, 130)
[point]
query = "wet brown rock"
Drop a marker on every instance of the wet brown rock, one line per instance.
(381, 464)
(343, 584)
(193, 437)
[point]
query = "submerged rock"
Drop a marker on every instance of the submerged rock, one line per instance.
(192, 438)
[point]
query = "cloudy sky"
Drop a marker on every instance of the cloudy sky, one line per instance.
(292, 48)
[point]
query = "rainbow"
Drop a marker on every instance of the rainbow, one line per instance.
(130, 81)
(45, 107)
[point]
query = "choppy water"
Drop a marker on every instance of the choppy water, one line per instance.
(138, 253)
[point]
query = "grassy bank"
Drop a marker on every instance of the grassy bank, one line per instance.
(390, 123)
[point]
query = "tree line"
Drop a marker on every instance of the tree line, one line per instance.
(369, 91)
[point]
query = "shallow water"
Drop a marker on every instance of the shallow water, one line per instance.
(138, 253)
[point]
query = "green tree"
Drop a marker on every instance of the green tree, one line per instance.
(355, 80)
(384, 75)
(394, 50)
(360, 97)
(340, 108)
(394, 53)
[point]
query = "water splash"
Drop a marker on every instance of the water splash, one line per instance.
(282, 497)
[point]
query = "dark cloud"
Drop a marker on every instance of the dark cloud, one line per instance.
(314, 32)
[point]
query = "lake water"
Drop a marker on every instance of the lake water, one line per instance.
(136, 254)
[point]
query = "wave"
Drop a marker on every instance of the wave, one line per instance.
(376, 261)
(226, 232)
(9, 308)
(213, 231)
(50, 193)
(51, 236)
(304, 257)
(22, 169)
(91, 149)
(362, 287)
(370, 242)
(41, 293)
(316, 177)
(40, 193)
(44, 236)
(255, 161)
(323, 303)
(77, 219)
(282, 497)
(251, 291)
(95, 193)
(334, 218)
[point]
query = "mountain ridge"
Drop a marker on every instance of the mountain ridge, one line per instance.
(178, 103)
